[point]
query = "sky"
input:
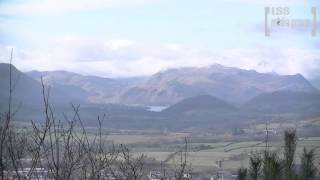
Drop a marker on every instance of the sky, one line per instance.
(125, 38)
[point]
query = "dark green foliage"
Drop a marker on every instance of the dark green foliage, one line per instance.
(272, 167)
(276, 168)
(308, 169)
(255, 166)
(290, 143)
(242, 174)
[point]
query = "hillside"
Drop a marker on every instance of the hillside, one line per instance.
(26, 89)
(285, 102)
(200, 103)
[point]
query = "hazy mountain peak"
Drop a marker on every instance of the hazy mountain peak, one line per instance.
(92, 88)
(230, 84)
(4, 67)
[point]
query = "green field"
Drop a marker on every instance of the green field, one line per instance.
(150, 138)
(232, 154)
(206, 148)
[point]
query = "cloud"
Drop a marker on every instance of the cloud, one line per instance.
(36, 7)
(124, 58)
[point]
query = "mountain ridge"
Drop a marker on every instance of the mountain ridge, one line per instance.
(230, 84)
(233, 85)
(98, 89)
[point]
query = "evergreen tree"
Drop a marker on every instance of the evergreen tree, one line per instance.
(308, 169)
(255, 166)
(242, 174)
(290, 143)
(272, 168)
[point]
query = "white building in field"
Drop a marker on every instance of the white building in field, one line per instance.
(224, 175)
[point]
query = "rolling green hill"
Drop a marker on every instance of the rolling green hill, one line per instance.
(200, 103)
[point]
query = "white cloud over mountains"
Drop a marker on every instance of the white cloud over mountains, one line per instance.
(122, 58)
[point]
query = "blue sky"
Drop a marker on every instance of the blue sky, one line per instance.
(112, 37)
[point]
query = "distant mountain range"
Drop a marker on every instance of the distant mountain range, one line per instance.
(94, 89)
(197, 97)
(230, 84)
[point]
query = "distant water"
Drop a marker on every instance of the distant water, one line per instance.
(156, 108)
